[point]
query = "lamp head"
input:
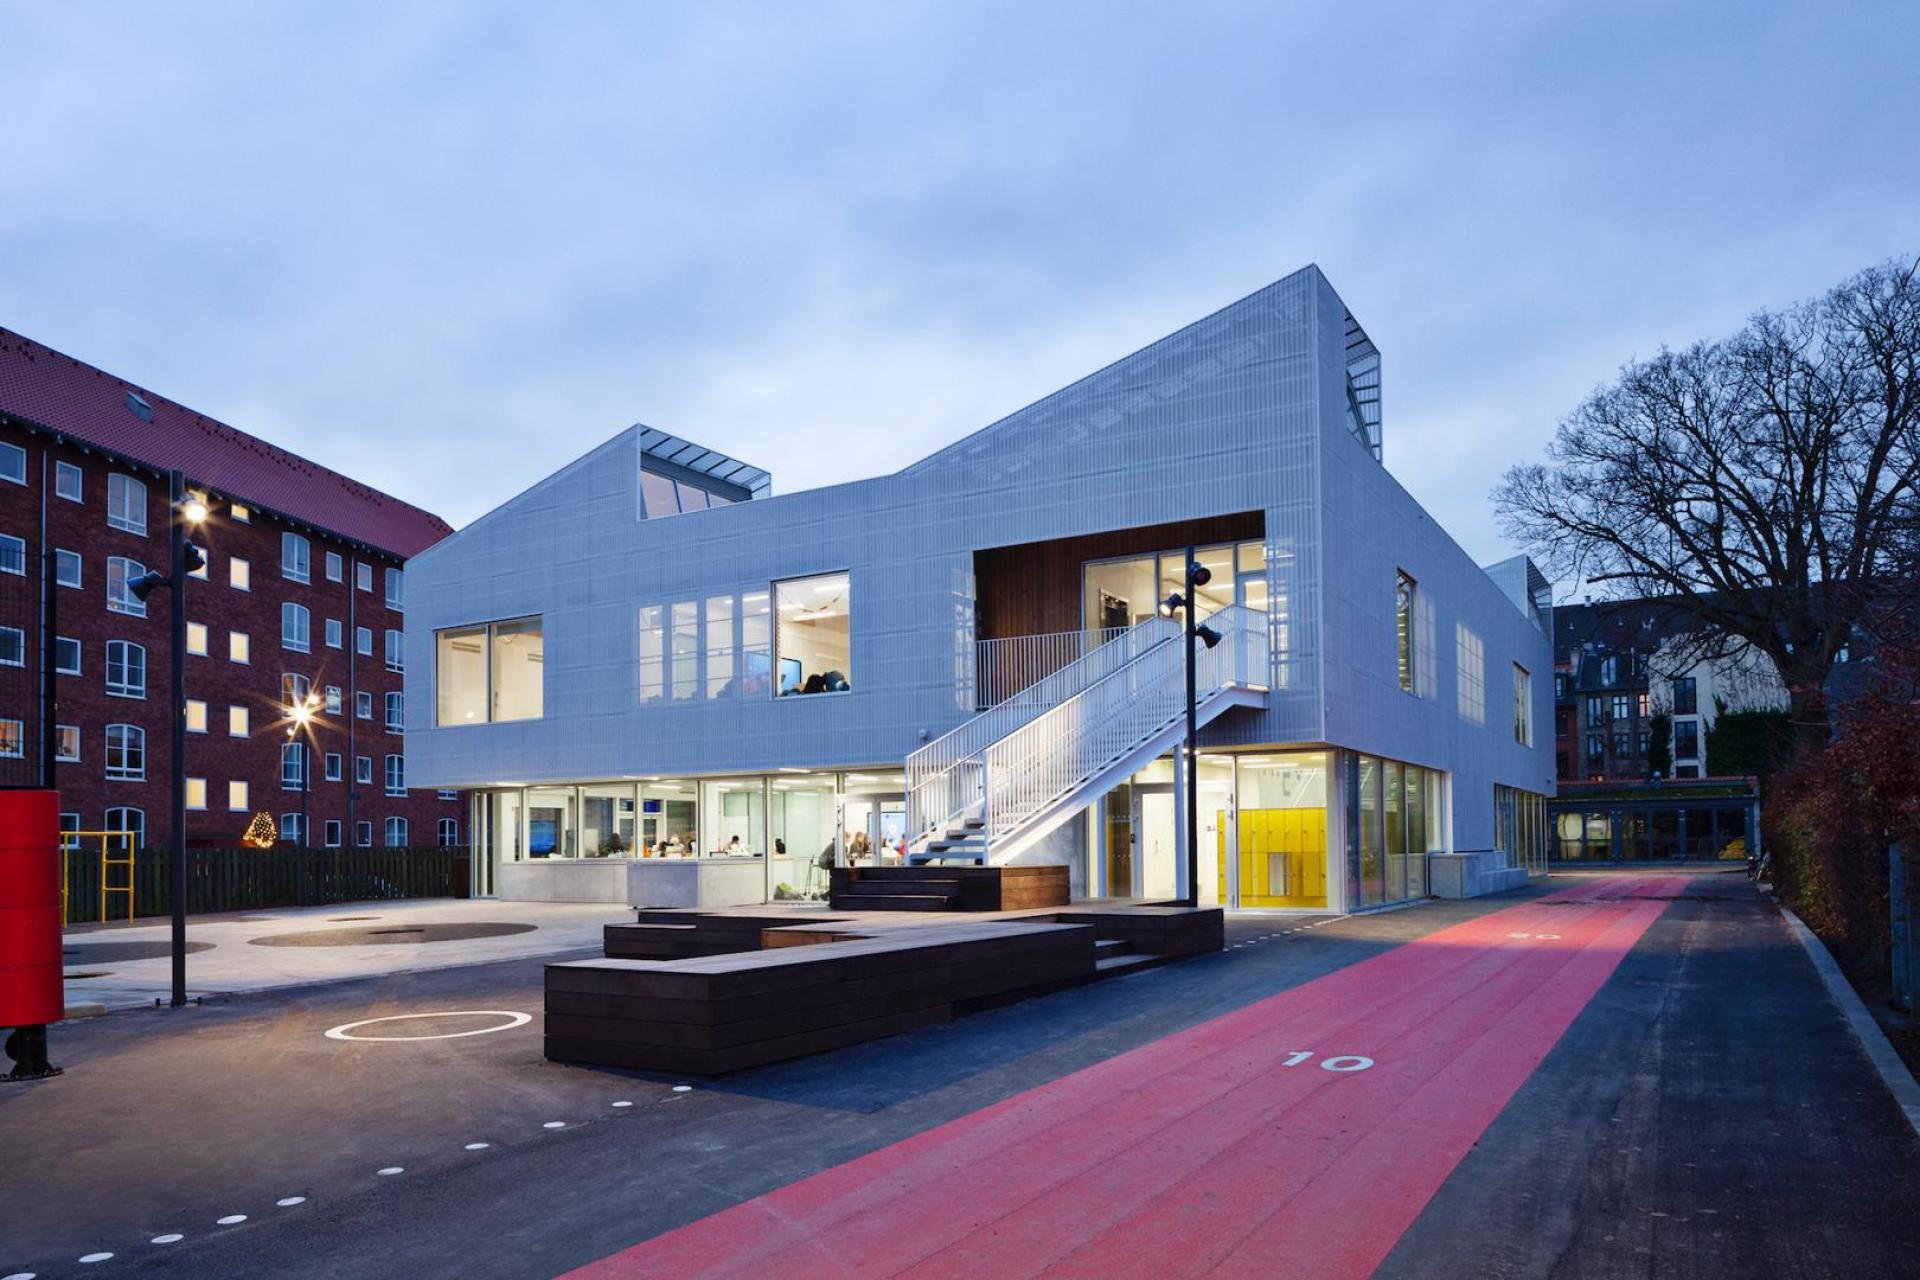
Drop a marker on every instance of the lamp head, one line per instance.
(1175, 602)
(194, 510)
(1206, 635)
(147, 583)
(1199, 573)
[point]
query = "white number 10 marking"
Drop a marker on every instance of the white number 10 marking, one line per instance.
(1339, 1063)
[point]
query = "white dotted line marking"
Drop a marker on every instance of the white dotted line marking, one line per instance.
(554, 1124)
(390, 1170)
(478, 1146)
(287, 1202)
(683, 1088)
(95, 1257)
(623, 1104)
(172, 1237)
(231, 1220)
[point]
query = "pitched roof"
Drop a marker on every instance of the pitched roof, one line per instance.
(58, 393)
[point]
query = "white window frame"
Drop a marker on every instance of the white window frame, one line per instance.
(63, 734)
(13, 739)
(124, 601)
(296, 557)
(336, 567)
(121, 514)
(395, 584)
(395, 826)
(61, 559)
(393, 775)
(13, 463)
(363, 771)
(19, 642)
(197, 639)
(363, 641)
(195, 796)
(11, 564)
(363, 834)
(61, 472)
(331, 833)
(363, 575)
(126, 688)
(396, 711)
(363, 705)
(336, 634)
(79, 656)
(138, 826)
(334, 771)
(396, 654)
(296, 627)
(447, 832)
(132, 739)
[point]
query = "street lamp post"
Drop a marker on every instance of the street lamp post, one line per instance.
(182, 560)
(1197, 575)
(302, 725)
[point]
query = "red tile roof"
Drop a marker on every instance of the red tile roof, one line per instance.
(61, 394)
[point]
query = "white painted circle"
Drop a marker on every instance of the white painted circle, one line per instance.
(172, 1237)
(287, 1202)
(390, 1170)
(231, 1220)
(344, 1030)
(683, 1088)
(623, 1104)
(554, 1124)
(95, 1257)
(1353, 1061)
(478, 1146)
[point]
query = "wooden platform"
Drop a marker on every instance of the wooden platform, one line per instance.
(709, 993)
(948, 888)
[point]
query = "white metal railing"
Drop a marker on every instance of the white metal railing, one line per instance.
(943, 777)
(1008, 666)
(1027, 767)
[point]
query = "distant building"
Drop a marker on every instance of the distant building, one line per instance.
(302, 591)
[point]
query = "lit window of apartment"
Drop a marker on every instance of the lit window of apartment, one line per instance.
(13, 739)
(241, 512)
(197, 639)
(196, 716)
(237, 721)
(396, 650)
(201, 570)
(239, 574)
(126, 504)
(239, 648)
(66, 747)
(237, 796)
(196, 793)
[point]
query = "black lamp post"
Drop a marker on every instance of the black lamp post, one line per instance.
(302, 724)
(1198, 575)
(182, 560)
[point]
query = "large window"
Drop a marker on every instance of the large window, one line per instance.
(13, 739)
(295, 627)
(685, 641)
(13, 647)
(1686, 701)
(719, 646)
(812, 637)
(126, 504)
(126, 669)
(1403, 592)
(1394, 822)
(396, 714)
(396, 776)
(121, 573)
(664, 496)
(394, 580)
(490, 672)
(13, 463)
(296, 558)
(396, 833)
(68, 482)
(13, 554)
(126, 753)
(131, 821)
(1522, 706)
(1686, 739)
(1472, 661)
(67, 567)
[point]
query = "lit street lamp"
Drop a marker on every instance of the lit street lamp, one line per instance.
(302, 715)
(183, 559)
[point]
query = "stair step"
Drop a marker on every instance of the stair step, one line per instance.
(1114, 966)
(894, 902)
(908, 888)
(1111, 947)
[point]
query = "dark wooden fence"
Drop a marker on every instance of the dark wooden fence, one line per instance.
(251, 879)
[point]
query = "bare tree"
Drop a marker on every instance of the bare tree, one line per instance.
(1766, 483)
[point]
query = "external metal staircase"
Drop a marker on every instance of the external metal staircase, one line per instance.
(1004, 780)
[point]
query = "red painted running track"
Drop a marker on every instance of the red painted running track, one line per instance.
(1254, 1143)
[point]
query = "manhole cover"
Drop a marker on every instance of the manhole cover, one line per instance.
(122, 952)
(391, 935)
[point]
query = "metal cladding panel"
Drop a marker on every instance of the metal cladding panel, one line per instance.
(1223, 416)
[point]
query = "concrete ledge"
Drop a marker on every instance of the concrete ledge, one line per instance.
(1472, 875)
(1885, 1058)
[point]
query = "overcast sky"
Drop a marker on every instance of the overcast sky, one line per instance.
(447, 248)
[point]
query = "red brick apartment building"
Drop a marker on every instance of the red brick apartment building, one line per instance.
(302, 590)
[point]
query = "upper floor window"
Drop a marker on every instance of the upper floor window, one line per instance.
(1686, 740)
(126, 669)
(13, 463)
(295, 633)
(68, 568)
(1686, 700)
(336, 567)
(490, 672)
(1522, 706)
(396, 650)
(239, 647)
(396, 833)
(396, 717)
(126, 753)
(1610, 670)
(1622, 707)
(394, 578)
(1559, 688)
(363, 575)
(13, 647)
(68, 482)
(126, 503)
(296, 558)
(334, 629)
(1596, 713)
(241, 512)
(13, 739)
(363, 705)
(239, 574)
(1403, 592)
(363, 640)
(1472, 674)
(396, 776)
(13, 554)
(66, 655)
(121, 574)
(812, 643)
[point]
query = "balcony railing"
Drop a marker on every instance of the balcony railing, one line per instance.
(1005, 667)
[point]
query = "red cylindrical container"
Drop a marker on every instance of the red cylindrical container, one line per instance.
(30, 990)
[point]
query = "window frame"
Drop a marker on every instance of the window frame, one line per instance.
(124, 520)
(124, 601)
(296, 627)
(296, 557)
(1406, 592)
(62, 470)
(126, 688)
(5, 540)
(132, 750)
(773, 620)
(8, 453)
(61, 557)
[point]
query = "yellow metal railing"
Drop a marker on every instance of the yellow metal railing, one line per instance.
(71, 842)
